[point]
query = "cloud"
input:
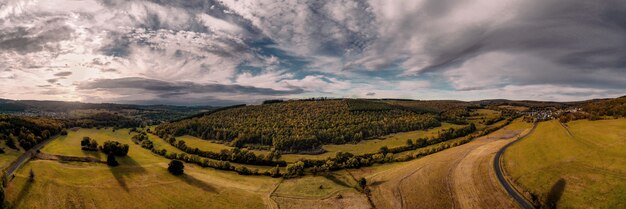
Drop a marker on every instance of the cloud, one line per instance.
(247, 50)
(63, 74)
(167, 89)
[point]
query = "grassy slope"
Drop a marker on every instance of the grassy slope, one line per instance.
(370, 146)
(591, 162)
(9, 156)
(337, 191)
(140, 181)
(426, 182)
(207, 145)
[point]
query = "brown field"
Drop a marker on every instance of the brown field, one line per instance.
(460, 177)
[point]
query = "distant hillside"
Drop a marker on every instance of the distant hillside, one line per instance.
(68, 110)
(300, 125)
(609, 107)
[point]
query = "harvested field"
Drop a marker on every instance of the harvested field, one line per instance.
(459, 177)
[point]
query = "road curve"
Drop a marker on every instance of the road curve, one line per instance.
(497, 165)
(25, 157)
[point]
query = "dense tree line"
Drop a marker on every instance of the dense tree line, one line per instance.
(344, 160)
(341, 160)
(234, 155)
(294, 126)
(27, 131)
(103, 119)
(206, 162)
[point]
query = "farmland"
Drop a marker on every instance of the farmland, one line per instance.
(450, 178)
(579, 165)
(141, 180)
(449, 165)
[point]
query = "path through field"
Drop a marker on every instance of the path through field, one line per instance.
(459, 177)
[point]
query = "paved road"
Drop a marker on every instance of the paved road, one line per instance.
(25, 157)
(521, 201)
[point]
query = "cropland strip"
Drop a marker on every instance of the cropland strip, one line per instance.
(459, 177)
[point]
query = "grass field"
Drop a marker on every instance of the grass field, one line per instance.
(207, 145)
(334, 191)
(585, 168)
(9, 156)
(371, 146)
(141, 181)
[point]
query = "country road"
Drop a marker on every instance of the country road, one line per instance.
(459, 177)
(25, 157)
(497, 166)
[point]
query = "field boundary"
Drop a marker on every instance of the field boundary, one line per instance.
(500, 174)
(23, 159)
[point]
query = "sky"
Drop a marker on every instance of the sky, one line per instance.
(200, 52)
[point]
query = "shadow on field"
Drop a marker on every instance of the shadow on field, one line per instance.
(23, 193)
(336, 180)
(95, 154)
(555, 193)
(376, 183)
(128, 166)
(192, 181)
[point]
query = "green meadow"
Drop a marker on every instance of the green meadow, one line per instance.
(582, 168)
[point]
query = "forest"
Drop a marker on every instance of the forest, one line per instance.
(293, 126)
(27, 131)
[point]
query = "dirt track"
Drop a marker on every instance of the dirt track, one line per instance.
(460, 177)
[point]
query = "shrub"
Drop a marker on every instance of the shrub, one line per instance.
(295, 169)
(89, 144)
(176, 167)
(116, 148)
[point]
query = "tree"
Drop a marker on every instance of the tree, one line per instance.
(31, 175)
(115, 147)
(11, 142)
(275, 172)
(409, 142)
(362, 183)
(384, 150)
(111, 161)
(295, 169)
(85, 141)
(176, 167)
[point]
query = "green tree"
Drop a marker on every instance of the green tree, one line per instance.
(295, 169)
(176, 167)
(111, 161)
(384, 150)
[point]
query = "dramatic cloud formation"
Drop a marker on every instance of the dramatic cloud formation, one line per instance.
(234, 51)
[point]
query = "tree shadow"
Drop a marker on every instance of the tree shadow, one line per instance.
(376, 183)
(555, 193)
(336, 180)
(23, 193)
(193, 181)
(95, 154)
(126, 168)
